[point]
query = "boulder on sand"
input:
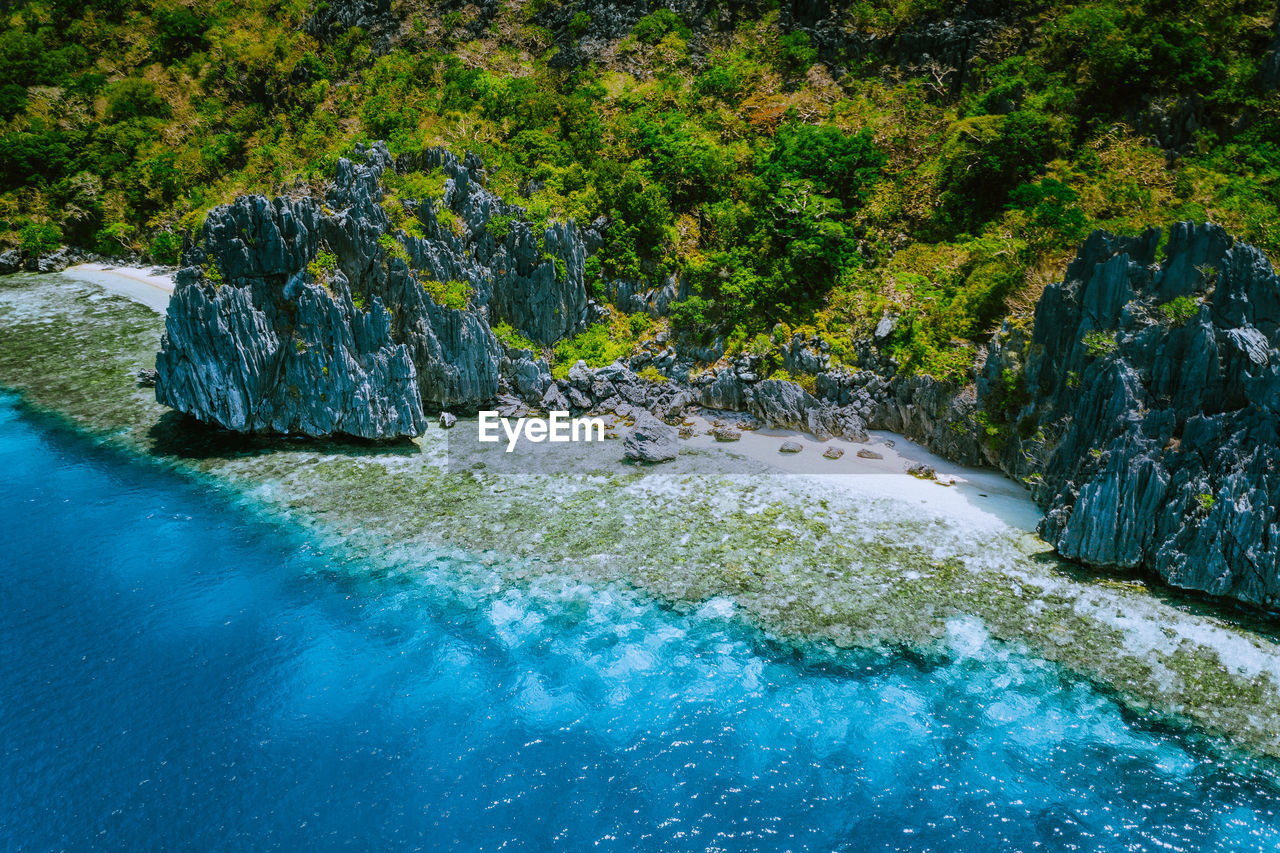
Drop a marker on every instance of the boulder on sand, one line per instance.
(650, 440)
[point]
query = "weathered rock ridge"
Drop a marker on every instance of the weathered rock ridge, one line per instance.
(1141, 406)
(301, 315)
(15, 261)
(1144, 410)
(262, 338)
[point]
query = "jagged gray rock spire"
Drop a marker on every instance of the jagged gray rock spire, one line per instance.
(296, 315)
(1149, 410)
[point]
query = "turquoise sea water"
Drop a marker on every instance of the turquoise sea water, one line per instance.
(178, 673)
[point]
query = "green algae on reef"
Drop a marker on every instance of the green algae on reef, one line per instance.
(800, 557)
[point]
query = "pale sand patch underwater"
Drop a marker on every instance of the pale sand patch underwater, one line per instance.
(878, 559)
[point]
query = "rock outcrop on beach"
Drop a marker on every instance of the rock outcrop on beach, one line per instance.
(846, 401)
(14, 260)
(356, 313)
(1144, 407)
(361, 312)
(1141, 405)
(650, 440)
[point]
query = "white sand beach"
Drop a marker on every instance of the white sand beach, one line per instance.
(982, 499)
(143, 286)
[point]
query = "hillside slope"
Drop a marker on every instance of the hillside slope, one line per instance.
(804, 167)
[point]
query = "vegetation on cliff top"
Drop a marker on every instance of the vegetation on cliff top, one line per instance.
(816, 188)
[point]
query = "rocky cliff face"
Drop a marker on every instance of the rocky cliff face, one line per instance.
(331, 20)
(1144, 407)
(942, 47)
(1142, 404)
(301, 315)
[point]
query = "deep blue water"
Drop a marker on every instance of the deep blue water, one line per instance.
(176, 673)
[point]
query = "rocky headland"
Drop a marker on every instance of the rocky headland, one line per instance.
(873, 558)
(321, 316)
(1139, 406)
(1142, 409)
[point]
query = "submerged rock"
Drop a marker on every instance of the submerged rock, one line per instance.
(650, 440)
(791, 447)
(832, 453)
(447, 420)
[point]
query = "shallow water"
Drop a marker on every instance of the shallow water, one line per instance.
(179, 672)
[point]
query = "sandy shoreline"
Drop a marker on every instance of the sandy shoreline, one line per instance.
(852, 552)
(977, 497)
(982, 498)
(143, 286)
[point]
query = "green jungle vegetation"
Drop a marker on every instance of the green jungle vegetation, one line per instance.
(798, 189)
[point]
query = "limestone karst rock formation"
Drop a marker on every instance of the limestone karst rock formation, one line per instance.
(1148, 410)
(302, 315)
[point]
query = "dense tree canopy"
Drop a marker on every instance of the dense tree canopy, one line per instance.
(792, 182)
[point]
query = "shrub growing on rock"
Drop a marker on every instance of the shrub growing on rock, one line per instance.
(40, 238)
